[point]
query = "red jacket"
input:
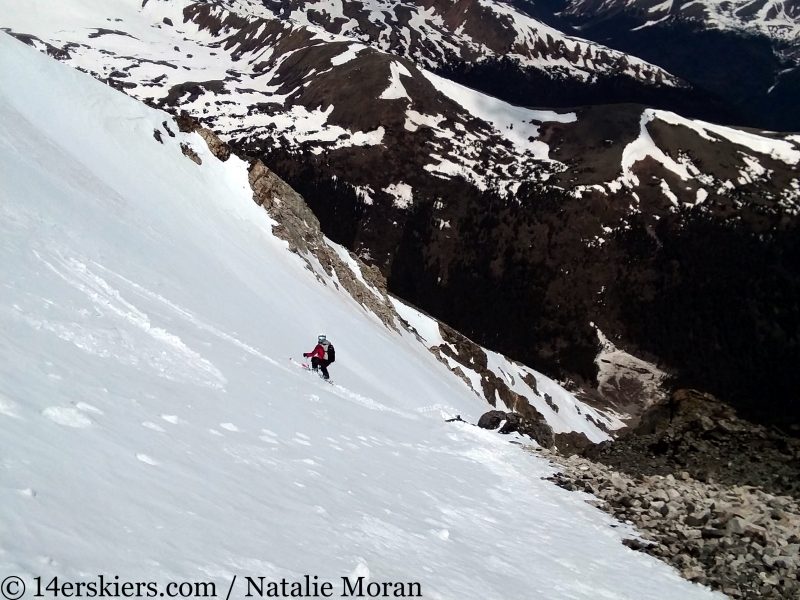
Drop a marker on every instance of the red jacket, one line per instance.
(319, 352)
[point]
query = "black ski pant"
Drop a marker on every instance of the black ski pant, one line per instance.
(321, 364)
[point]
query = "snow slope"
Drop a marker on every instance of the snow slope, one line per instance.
(153, 428)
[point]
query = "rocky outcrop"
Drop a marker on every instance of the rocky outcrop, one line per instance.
(699, 434)
(464, 351)
(535, 427)
(300, 228)
(572, 443)
(297, 225)
(736, 539)
(190, 153)
(492, 419)
(218, 148)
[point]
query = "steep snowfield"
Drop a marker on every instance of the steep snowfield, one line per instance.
(153, 428)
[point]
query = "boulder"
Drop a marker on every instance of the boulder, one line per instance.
(537, 429)
(572, 442)
(491, 419)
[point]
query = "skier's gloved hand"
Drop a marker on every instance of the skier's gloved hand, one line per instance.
(305, 355)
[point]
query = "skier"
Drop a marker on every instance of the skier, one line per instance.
(323, 355)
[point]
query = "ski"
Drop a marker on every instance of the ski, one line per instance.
(306, 367)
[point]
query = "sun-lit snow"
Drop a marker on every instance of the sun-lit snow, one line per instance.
(402, 193)
(396, 90)
(519, 125)
(779, 149)
(154, 428)
(425, 326)
(348, 55)
(644, 146)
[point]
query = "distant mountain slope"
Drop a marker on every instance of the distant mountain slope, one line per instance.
(504, 50)
(778, 20)
(434, 32)
(269, 85)
(745, 51)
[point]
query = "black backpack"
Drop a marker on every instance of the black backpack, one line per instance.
(331, 353)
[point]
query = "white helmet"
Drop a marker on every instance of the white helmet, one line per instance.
(321, 338)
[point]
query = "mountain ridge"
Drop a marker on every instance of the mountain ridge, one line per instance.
(746, 52)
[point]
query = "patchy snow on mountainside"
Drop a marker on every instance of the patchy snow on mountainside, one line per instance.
(147, 402)
(402, 193)
(643, 147)
(783, 150)
(433, 33)
(518, 125)
(776, 19)
(261, 81)
(750, 168)
(396, 90)
(264, 82)
(348, 55)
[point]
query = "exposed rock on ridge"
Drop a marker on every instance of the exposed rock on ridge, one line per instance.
(300, 228)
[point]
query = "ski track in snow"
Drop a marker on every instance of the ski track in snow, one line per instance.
(106, 299)
(140, 440)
